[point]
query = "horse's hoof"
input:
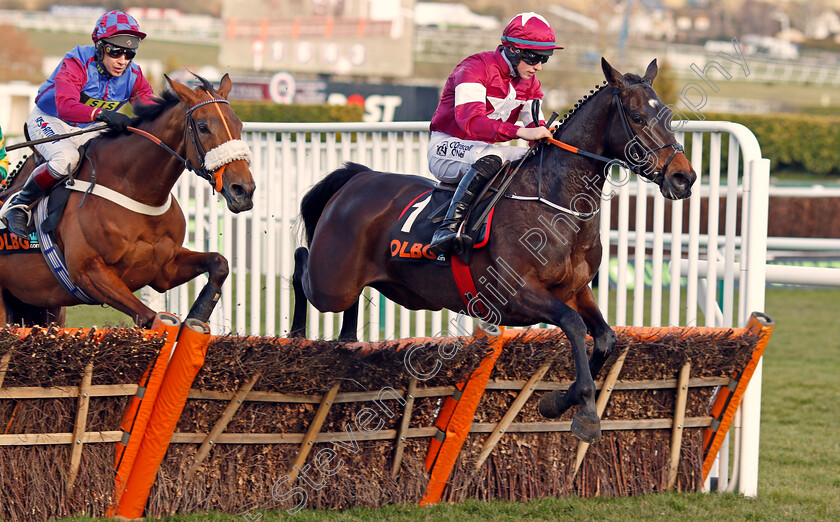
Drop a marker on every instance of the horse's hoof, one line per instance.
(586, 427)
(554, 404)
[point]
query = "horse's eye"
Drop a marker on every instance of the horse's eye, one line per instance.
(202, 128)
(637, 119)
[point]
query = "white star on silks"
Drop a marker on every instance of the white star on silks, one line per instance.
(502, 107)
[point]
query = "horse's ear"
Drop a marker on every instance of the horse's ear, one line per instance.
(613, 77)
(184, 93)
(224, 86)
(651, 72)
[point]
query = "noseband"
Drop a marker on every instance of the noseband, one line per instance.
(213, 162)
(638, 167)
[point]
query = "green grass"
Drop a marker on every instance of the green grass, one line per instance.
(799, 473)
(85, 316)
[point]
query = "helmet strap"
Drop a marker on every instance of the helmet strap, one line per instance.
(511, 54)
(100, 54)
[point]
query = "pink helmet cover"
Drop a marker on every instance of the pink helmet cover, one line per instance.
(116, 22)
(529, 31)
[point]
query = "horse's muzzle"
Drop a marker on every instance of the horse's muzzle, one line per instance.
(677, 185)
(239, 197)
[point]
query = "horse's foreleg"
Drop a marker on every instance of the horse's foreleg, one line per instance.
(3, 316)
(604, 343)
(298, 328)
(585, 424)
(602, 334)
(186, 266)
(103, 285)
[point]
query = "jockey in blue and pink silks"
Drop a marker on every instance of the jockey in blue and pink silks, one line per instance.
(480, 104)
(89, 85)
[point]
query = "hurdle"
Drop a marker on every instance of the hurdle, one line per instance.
(272, 421)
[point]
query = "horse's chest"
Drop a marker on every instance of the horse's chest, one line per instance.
(571, 273)
(137, 250)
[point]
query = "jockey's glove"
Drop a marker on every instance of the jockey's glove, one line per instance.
(115, 120)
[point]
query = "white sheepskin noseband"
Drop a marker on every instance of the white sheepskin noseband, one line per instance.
(225, 153)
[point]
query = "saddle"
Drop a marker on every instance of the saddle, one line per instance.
(412, 233)
(46, 215)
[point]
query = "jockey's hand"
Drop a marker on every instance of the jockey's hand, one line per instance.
(533, 133)
(115, 120)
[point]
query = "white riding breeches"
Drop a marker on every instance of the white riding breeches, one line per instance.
(62, 155)
(450, 158)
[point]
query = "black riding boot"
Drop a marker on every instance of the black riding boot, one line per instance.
(17, 217)
(446, 239)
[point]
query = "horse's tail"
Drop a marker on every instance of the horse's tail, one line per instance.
(313, 202)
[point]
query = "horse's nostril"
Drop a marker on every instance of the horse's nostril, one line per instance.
(679, 180)
(237, 191)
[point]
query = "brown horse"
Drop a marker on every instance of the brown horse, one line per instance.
(110, 250)
(544, 248)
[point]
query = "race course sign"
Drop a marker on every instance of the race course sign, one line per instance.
(372, 38)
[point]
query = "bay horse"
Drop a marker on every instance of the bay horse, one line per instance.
(111, 250)
(543, 235)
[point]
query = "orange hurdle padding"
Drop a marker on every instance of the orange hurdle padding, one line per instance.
(442, 421)
(639, 333)
(139, 409)
(728, 399)
(461, 418)
(187, 360)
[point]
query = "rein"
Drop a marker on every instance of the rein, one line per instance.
(636, 169)
(212, 167)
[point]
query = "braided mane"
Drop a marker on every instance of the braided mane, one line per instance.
(586, 97)
(635, 78)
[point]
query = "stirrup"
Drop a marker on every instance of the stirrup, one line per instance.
(453, 241)
(27, 229)
(7, 206)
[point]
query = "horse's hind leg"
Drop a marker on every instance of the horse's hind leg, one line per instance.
(350, 318)
(18, 312)
(298, 328)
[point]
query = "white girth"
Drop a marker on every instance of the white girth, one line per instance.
(120, 199)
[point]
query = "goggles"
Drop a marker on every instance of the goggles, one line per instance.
(532, 58)
(115, 52)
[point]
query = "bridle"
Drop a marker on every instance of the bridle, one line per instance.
(635, 167)
(214, 161)
(638, 167)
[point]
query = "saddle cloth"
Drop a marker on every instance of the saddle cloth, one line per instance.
(412, 233)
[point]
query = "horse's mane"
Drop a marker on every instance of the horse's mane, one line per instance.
(634, 78)
(151, 110)
(159, 104)
(586, 97)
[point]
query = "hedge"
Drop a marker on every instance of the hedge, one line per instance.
(791, 141)
(274, 112)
